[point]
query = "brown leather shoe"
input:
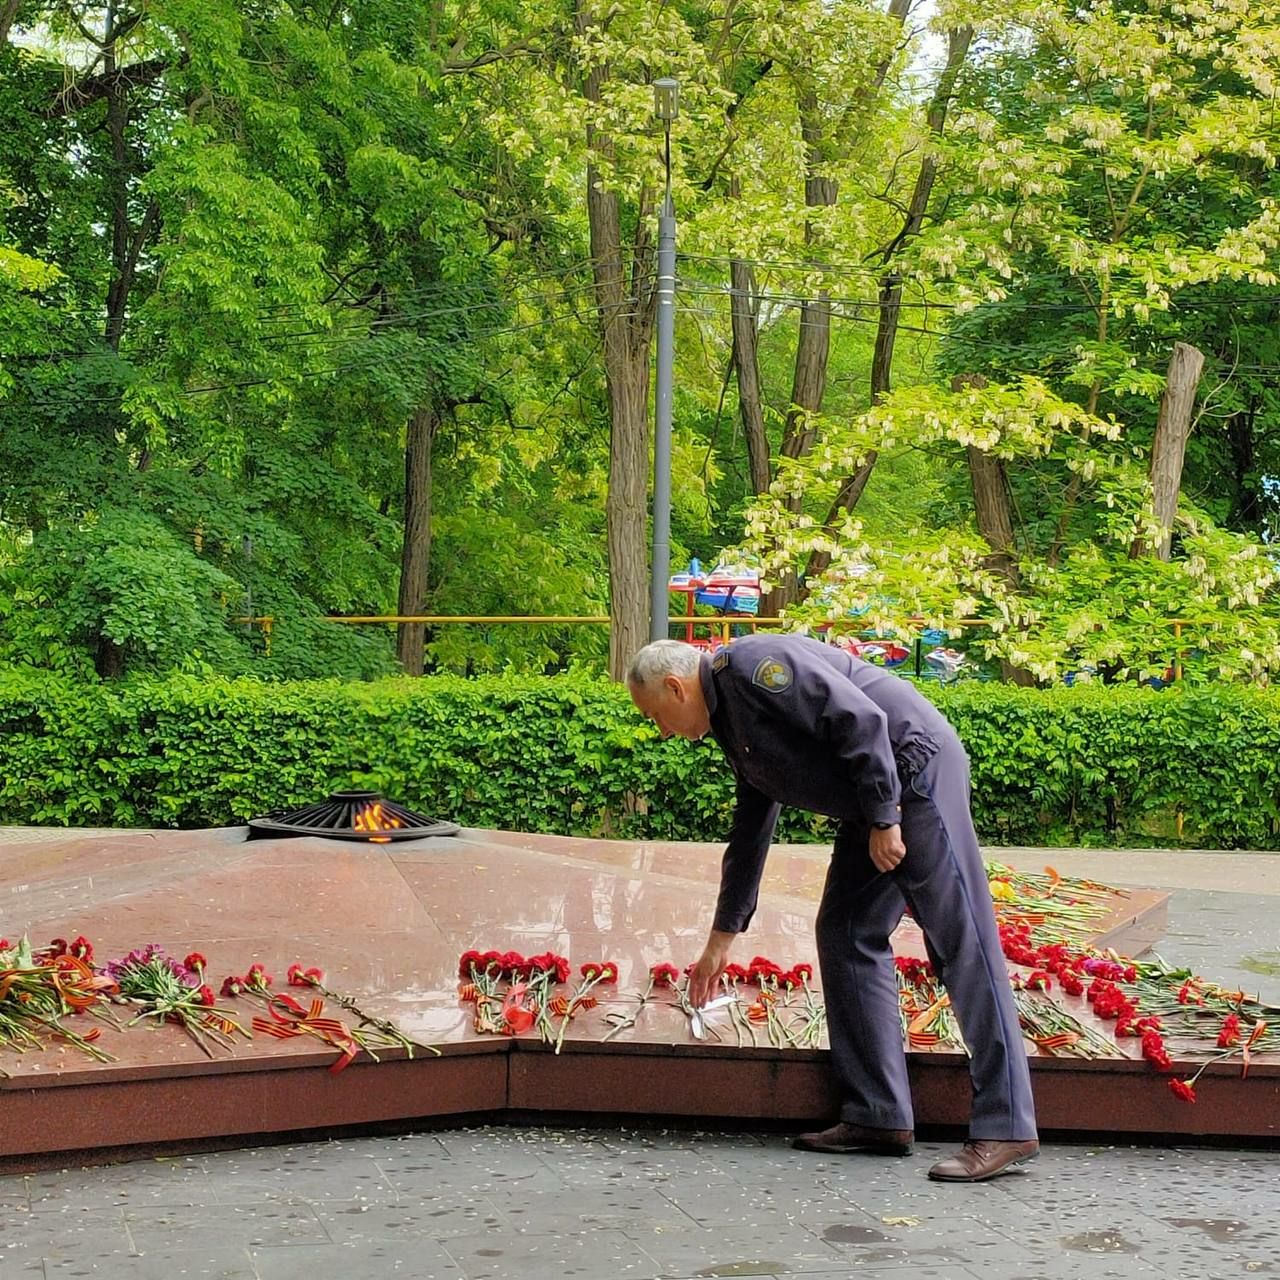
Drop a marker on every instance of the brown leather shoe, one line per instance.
(977, 1161)
(843, 1138)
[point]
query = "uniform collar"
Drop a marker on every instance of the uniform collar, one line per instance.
(706, 678)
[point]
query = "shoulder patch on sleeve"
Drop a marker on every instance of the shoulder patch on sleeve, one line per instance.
(721, 658)
(773, 675)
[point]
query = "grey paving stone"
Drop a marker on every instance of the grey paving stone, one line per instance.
(635, 1210)
(411, 1259)
(13, 1194)
(268, 1223)
(501, 1256)
(61, 1234)
(1078, 1267)
(905, 1243)
(733, 1204)
(561, 1143)
(321, 1172)
(743, 1250)
(198, 1264)
(472, 1169)
(1228, 937)
(437, 1217)
(650, 1165)
(143, 1182)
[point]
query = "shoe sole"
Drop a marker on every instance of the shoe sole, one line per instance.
(983, 1177)
(831, 1149)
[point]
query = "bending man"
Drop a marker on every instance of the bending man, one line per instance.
(806, 724)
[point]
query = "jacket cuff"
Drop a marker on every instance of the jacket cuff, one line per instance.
(886, 812)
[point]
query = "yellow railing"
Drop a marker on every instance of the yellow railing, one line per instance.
(719, 622)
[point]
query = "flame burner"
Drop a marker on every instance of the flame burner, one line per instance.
(351, 815)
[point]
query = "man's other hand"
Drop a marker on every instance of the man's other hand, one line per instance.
(704, 977)
(887, 849)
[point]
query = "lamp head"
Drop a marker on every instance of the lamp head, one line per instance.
(666, 99)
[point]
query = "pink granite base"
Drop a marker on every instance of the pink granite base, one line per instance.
(387, 924)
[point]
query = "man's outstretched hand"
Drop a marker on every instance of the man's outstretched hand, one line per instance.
(704, 977)
(887, 849)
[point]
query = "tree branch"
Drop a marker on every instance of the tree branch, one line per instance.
(78, 96)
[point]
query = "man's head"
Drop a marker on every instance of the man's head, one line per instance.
(665, 686)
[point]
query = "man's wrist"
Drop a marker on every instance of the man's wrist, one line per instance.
(886, 814)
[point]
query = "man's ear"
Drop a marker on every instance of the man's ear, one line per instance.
(673, 684)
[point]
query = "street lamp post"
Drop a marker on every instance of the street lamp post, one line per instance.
(666, 102)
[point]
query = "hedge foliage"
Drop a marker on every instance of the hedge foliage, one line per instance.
(1089, 765)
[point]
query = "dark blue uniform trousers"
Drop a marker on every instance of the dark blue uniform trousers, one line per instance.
(943, 881)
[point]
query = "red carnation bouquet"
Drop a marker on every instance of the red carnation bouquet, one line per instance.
(512, 993)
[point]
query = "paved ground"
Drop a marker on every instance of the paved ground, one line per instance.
(493, 1203)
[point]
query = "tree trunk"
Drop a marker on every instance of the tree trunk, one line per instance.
(625, 316)
(746, 362)
(415, 552)
(813, 345)
(1173, 426)
(994, 514)
(891, 283)
(117, 185)
(1246, 514)
(109, 659)
(8, 12)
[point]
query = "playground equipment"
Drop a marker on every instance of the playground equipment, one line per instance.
(732, 590)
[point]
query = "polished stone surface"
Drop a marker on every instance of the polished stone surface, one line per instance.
(387, 922)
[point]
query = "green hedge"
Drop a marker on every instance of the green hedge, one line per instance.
(1088, 765)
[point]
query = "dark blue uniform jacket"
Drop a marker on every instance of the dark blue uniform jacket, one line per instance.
(806, 724)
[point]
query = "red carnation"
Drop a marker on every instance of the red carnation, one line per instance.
(1230, 1033)
(196, 961)
(1038, 980)
(664, 975)
(206, 995)
(257, 977)
(314, 976)
(590, 970)
(5, 944)
(803, 971)
(1070, 983)
(491, 960)
(294, 977)
(562, 969)
(467, 960)
(233, 986)
(58, 947)
(82, 949)
(511, 963)
(1182, 1089)
(1154, 1051)
(763, 970)
(735, 973)
(609, 972)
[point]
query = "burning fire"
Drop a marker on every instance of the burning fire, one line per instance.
(374, 818)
